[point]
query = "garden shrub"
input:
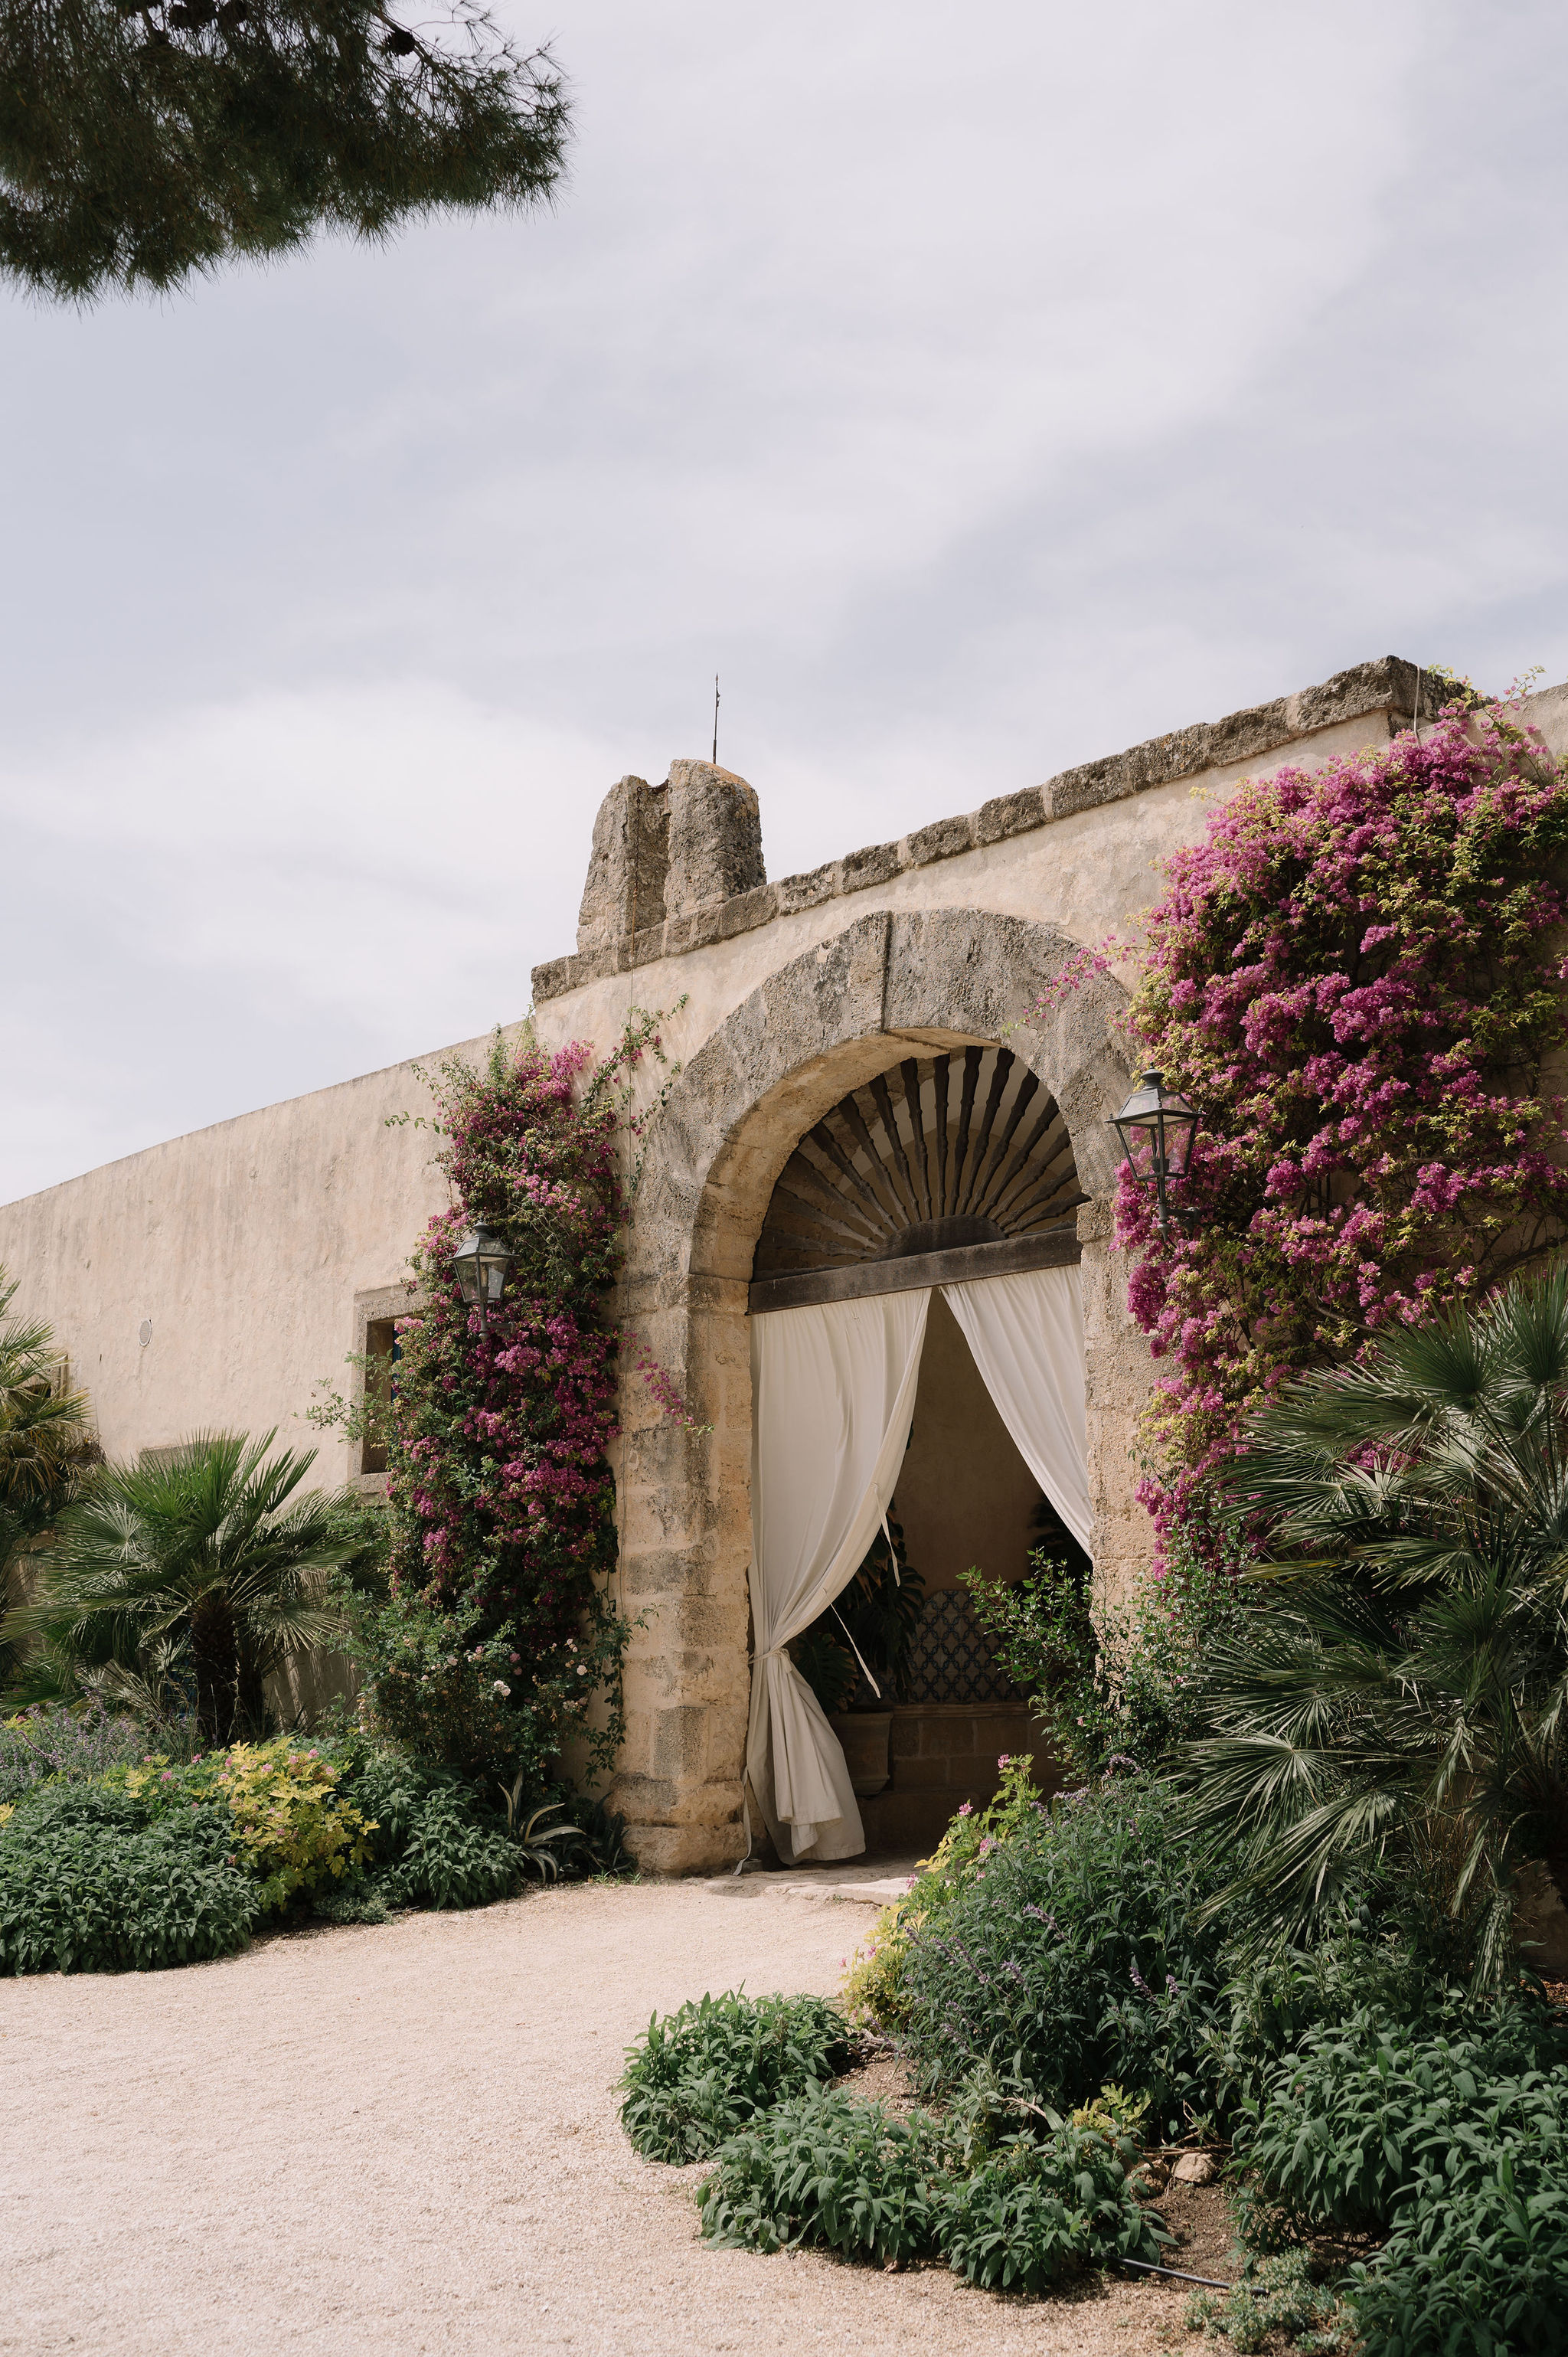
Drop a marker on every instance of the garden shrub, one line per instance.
(822, 2168)
(1451, 2134)
(50, 1742)
(1479, 2260)
(293, 1828)
(1380, 1952)
(1035, 2212)
(873, 1985)
(1277, 2294)
(91, 1881)
(1070, 1955)
(1347, 2118)
(696, 2076)
(432, 1842)
(450, 1860)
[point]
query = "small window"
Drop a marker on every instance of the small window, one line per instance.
(382, 1351)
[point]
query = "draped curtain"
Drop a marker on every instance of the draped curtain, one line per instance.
(1026, 1335)
(834, 1393)
(833, 1397)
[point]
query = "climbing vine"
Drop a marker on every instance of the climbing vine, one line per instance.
(500, 1630)
(1358, 979)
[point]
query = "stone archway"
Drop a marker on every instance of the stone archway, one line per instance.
(830, 1019)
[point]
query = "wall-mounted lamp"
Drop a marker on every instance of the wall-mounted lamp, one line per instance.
(483, 1263)
(1157, 1130)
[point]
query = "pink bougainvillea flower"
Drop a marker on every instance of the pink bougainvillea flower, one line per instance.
(1354, 978)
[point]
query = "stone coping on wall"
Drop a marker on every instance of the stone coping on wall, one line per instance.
(1388, 685)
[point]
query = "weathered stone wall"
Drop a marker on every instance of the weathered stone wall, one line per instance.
(241, 1251)
(247, 1246)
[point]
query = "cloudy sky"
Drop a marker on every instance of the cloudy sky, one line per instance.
(977, 389)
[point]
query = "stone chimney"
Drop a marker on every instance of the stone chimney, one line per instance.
(664, 851)
(716, 837)
(625, 888)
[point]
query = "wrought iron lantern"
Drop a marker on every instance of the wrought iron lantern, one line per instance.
(1156, 1129)
(483, 1263)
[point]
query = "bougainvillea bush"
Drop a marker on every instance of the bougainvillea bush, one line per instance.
(499, 1632)
(1358, 979)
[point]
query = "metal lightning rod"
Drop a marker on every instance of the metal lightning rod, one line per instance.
(715, 720)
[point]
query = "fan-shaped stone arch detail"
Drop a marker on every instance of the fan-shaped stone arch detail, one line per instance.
(962, 1148)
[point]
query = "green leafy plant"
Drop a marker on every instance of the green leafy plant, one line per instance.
(1479, 2254)
(449, 1859)
(1115, 2112)
(91, 1882)
(1401, 1689)
(1069, 1955)
(1032, 2213)
(823, 2168)
(872, 1623)
(1115, 1683)
(1277, 2294)
(535, 1840)
(1346, 2119)
(872, 1988)
(292, 1829)
(819, 2167)
(697, 2075)
(210, 1548)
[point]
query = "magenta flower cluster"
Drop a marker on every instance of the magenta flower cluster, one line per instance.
(1358, 979)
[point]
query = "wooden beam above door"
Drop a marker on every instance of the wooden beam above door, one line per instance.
(962, 1264)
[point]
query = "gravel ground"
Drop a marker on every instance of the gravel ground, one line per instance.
(404, 2138)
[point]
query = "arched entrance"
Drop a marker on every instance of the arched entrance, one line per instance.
(921, 1232)
(888, 991)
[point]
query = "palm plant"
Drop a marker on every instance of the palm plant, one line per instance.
(46, 1436)
(198, 1566)
(1403, 1687)
(45, 1427)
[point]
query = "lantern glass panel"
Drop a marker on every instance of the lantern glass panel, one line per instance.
(494, 1263)
(1181, 1128)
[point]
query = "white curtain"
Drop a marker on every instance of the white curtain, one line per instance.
(1026, 1337)
(833, 1397)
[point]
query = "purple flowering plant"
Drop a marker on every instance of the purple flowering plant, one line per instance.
(51, 1743)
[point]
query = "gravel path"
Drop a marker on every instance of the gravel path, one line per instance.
(404, 2138)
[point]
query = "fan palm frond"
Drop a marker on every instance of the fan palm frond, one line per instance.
(1403, 1688)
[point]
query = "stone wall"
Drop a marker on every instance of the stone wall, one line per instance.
(248, 1252)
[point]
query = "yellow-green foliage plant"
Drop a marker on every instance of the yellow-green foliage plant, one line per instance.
(293, 1831)
(873, 1986)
